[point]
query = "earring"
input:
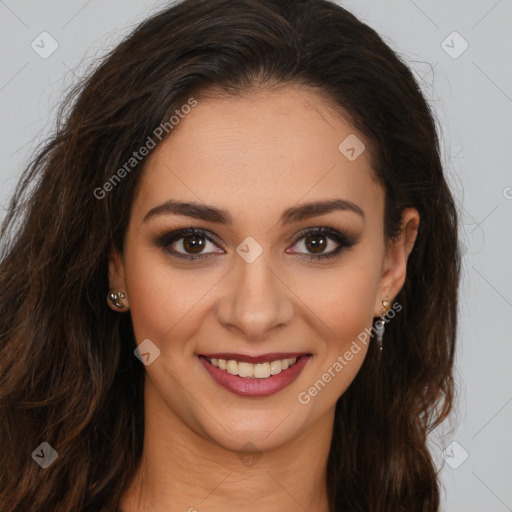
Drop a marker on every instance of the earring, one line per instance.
(114, 298)
(380, 323)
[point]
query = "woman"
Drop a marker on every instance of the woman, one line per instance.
(254, 189)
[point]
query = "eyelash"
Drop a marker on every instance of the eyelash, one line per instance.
(344, 240)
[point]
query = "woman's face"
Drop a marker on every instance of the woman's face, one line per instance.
(246, 283)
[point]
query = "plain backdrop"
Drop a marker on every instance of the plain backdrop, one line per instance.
(460, 52)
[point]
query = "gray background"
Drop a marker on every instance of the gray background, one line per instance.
(472, 98)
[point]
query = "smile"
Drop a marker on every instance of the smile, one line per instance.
(255, 379)
(250, 370)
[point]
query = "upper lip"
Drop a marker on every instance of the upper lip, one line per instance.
(263, 358)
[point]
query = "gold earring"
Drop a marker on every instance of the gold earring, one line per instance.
(386, 306)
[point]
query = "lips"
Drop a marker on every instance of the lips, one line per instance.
(255, 387)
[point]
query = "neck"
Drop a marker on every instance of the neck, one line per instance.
(186, 471)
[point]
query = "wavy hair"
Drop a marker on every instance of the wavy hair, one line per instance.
(67, 371)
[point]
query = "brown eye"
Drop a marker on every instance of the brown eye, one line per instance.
(193, 243)
(188, 243)
(315, 243)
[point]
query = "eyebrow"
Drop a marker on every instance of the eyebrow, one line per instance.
(220, 216)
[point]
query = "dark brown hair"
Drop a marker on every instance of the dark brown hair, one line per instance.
(68, 375)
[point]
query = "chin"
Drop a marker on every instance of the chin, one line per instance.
(264, 431)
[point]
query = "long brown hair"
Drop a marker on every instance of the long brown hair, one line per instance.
(68, 375)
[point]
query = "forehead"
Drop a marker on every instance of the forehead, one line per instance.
(260, 151)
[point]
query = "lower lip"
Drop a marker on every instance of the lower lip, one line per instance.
(255, 387)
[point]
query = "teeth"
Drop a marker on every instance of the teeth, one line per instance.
(253, 371)
(261, 371)
(232, 367)
(245, 369)
(275, 367)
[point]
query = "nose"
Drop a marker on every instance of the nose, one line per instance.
(255, 299)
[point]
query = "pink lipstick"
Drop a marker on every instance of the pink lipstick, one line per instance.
(252, 386)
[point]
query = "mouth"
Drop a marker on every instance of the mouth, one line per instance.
(259, 368)
(255, 376)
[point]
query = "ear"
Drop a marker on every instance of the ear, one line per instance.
(395, 262)
(116, 279)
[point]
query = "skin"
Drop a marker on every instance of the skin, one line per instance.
(254, 156)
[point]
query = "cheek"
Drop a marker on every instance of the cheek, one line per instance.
(345, 310)
(160, 298)
(343, 300)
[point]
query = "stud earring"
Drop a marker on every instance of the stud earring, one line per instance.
(380, 323)
(114, 298)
